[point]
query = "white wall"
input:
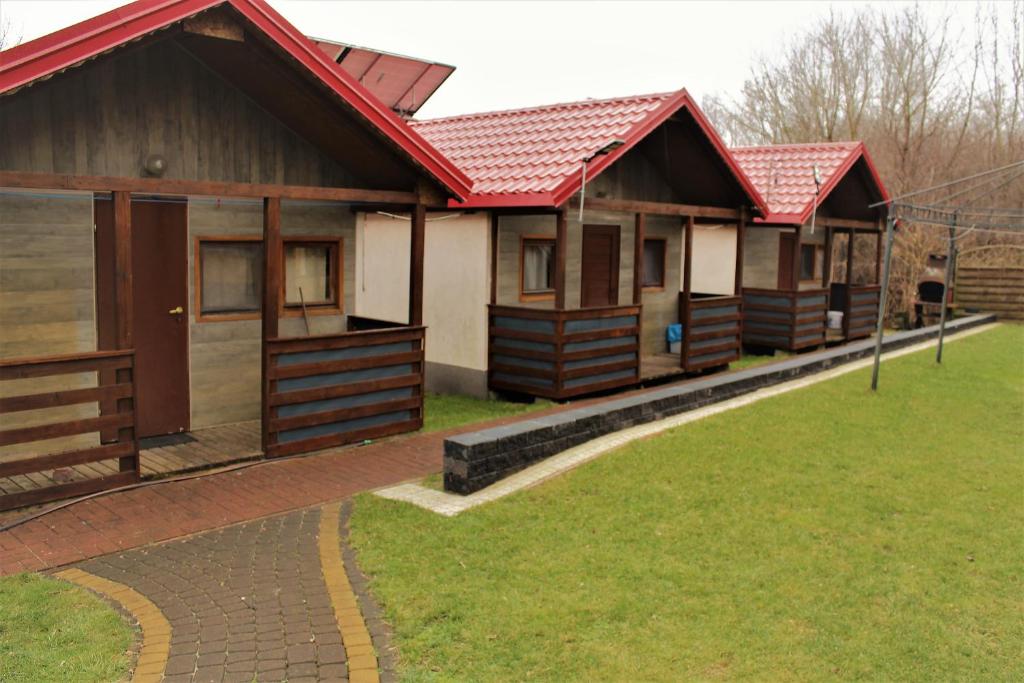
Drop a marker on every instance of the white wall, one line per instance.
(714, 259)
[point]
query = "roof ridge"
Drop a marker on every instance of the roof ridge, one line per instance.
(555, 105)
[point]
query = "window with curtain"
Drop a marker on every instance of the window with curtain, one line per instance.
(230, 276)
(538, 266)
(311, 273)
(654, 263)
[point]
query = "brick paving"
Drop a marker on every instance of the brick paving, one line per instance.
(247, 602)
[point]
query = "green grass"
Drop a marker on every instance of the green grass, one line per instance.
(750, 360)
(824, 534)
(54, 631)
(444, 412)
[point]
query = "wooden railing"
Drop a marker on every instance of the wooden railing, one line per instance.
(562, 353)
(331, 390)
(712, 326)
(112, 392)
(860, 311)
(784, 319)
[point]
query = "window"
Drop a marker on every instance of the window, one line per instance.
(538, 267)
(654, 262)
(811, 261)
(230, 277)
(311, 272)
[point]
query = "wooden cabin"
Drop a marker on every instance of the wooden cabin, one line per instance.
(801, 260)
(592, 227)
(181, 185)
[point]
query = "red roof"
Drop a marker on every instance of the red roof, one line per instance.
(402, 83)
(50, 54)
(784, 174)
(532, 157)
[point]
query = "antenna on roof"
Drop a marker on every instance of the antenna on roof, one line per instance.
(817, 191)
(607, 149)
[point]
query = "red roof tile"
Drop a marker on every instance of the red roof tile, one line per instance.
(784, 174)
(69, 47)
(533, 156)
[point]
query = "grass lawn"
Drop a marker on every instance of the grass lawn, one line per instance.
(54, 631)
(444, 412)
(750, 360)
(823, 534)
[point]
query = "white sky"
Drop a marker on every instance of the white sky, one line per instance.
(513, 54)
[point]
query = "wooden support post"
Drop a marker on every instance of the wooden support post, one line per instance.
(795, 282)
(416, 251)
(687, 277)
(124, 302)
(494, 257)
(639, 228)
(272, 261)
(849, 258)
(561, 249)
(826, 266)
(741, 236)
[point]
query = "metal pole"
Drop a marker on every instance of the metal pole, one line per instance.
(950, 258)
(884, 295)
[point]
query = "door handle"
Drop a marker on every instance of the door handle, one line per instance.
(179, 310)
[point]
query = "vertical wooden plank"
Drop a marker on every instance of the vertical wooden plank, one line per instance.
(561, 249)
(272, 256)
(849, 259)
(826, 267)
(494, 257)
(687, 277)
(416, 252)
(122, 207)
(741, 235)
(795, 283)
(639, 228)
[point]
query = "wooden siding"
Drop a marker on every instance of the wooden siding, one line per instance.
(992, 290)
(336, 389)
(225, 354)
(784, 319)
(107, 117)
(860, 310)
(711, 331)
(560, 354)
(112, 381)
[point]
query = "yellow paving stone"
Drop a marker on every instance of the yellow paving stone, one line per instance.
(156, 630)
(359, 652)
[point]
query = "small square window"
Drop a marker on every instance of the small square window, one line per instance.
(654, 263)
(230, 276)
(808, 261)
(311, 273)
(538, 257)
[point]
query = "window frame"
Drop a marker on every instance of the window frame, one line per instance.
(197, 265)
(538, 295)
(817, 258)
(337, 255)
(660, 287)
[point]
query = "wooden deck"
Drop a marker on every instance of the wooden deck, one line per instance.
(205, 448)
(660, 365)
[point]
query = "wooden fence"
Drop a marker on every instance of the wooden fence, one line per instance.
(558, 354)
(860, 311)
(112, 392)
(991, 290)
(712, 327)
(325, 391)
(784, 319)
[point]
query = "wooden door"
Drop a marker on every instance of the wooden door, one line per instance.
(160, 315)
(599, 272)
(787, 265)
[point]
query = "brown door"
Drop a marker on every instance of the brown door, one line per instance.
(787, 266)
(599, 275)
(160, 315)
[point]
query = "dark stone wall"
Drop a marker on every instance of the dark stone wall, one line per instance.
(475, 460)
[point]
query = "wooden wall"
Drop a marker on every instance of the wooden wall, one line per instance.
(105, 118)
(225, 355)
(47, 284)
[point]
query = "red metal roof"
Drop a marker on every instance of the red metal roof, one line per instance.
(784, 174)
(50, 54)
(532, 157)
(402, 83)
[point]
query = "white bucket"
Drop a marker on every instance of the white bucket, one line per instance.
(835, 320)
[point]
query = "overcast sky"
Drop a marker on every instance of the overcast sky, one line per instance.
(513, 54)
